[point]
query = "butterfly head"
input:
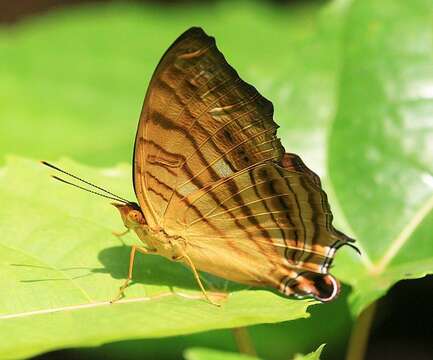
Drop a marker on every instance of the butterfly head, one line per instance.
(131, 214)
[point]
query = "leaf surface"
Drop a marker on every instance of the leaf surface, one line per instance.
(211, 354)
(315, 355)
(61, 266)
(380, 150)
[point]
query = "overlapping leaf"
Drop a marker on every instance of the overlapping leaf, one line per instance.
(380, 150)
(210, 354)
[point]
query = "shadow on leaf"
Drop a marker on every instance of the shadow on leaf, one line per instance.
(157, 270)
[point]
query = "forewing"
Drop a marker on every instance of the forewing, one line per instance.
(200, 122)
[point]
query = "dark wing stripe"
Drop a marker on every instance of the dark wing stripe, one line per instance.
(308, 238)
(168, 124)
(271, 188)
(221, 156)
(197, 117)
(219, 130)
(245, 205)
(299, 243)
(215, 187)
(238, 224)
(284, 206)
(186, 71)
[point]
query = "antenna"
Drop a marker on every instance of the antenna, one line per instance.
(110, 195)
(88, 190)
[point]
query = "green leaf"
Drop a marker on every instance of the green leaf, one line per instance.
(210, 354)
(380, 151)
(77, 78)
(315, 355)
(328, 322)
(61, 265)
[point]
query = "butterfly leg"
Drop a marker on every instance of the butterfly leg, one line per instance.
(134, 249)
(197, 278)
(120, 234)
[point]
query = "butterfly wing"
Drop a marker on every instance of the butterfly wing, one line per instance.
(200, 122)
(270, 224)
(209, 167)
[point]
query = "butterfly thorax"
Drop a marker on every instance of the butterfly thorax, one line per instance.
(154, 239)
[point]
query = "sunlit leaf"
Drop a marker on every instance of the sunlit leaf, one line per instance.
(380, 151)
(60, 265)
(210, 354)
(315, 355)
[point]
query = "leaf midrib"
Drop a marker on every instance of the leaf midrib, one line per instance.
(83, 306)
(403, 236)
(378, 267)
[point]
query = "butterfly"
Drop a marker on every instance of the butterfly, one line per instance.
(216, 190)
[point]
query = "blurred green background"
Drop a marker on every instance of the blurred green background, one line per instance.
(73, 77)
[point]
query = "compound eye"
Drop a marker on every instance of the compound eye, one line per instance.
(136, 217)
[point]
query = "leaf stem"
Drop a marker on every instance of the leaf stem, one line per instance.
(243, 341)
(360, 333)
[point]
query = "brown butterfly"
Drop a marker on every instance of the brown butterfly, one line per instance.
(216, 189)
